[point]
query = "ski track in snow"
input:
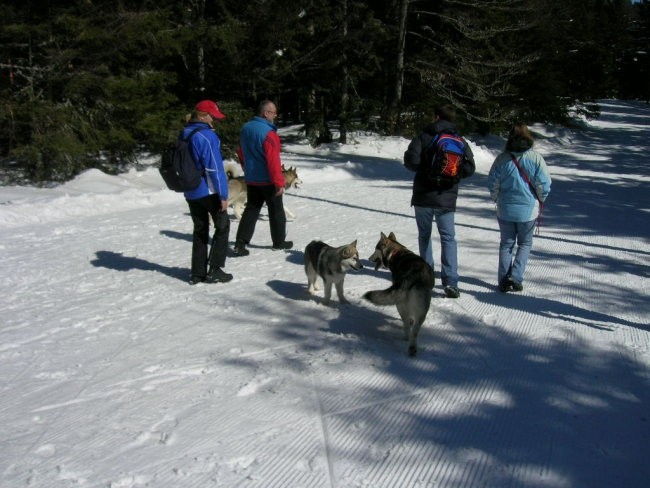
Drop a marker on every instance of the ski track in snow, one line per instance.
(116, 373)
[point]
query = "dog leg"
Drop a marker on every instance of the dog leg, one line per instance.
(312, 275)
(312, 284)
(237, 210)
(328, 293)
(411, 327)
(288, 213)
(339, 292)
(413, 339)
(406, 328)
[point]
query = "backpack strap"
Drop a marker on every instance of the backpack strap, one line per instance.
(188, 139)
(189, 136)
(531, 187)
(432, 142)
(436, 136)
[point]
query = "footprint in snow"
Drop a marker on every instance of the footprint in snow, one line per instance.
(258, 384)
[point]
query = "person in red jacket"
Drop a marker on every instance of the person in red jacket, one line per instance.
(259, 152)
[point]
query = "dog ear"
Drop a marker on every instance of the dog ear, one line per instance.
(392, 237)
(354, 243)
(382, 236)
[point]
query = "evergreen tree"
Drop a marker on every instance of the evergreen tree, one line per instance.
(468, 54)
(633, 75)
(92, 84)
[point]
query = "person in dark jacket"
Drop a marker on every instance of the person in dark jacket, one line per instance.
(437, 201)
(259, 152)
(210, 198)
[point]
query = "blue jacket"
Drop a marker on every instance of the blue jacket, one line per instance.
(206, 149)
(514, 198)
(251, 140)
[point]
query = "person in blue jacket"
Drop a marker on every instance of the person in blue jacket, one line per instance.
(517, 205)
(210, 198)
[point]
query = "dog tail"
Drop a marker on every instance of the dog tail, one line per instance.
(389, 296)
(232, 169)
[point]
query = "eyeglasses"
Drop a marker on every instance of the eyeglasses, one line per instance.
(272, 112)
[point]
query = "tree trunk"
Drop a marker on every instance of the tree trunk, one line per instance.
(345, 81)
(396, 102)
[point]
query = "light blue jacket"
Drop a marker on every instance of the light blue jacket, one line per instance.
(508, 189)
(206, 149)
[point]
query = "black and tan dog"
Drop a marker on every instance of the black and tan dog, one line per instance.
(413, 281)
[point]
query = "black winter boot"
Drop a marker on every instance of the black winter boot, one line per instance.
(217, 275)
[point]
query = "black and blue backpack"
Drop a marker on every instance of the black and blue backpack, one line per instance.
(177, 166)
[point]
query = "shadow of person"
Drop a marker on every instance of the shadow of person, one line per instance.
(550, 309)
(119, 262)
(177, 235)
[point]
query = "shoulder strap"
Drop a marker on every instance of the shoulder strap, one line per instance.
(189, 136)
(524, 176)
(187, 140)
(531, 187)
(433, 140)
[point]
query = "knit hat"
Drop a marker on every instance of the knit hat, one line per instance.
(210, 107)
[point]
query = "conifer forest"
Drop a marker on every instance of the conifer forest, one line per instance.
(97, 83)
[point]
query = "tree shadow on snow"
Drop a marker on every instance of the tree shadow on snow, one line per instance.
(544, 307)
(479, 405)
(339, 203)
(358, 318)
(505, 401)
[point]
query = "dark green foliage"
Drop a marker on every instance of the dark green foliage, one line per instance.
(229, 128)
(634, 67)
(88, 84)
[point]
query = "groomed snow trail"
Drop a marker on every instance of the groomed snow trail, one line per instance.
(116, 373)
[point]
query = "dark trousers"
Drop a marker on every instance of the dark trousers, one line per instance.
(201, 210)
(257, 197)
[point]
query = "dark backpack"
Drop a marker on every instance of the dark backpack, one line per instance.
(445, 152)
(178, 168)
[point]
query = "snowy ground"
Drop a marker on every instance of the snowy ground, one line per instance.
(114, 372)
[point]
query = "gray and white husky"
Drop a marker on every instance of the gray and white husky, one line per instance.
(330, 264)
(413, 280)
(238, 190)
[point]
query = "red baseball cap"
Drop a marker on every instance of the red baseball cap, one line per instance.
(210, 107)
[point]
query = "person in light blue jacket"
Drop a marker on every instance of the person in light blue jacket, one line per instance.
(210, 198)
(518, 203)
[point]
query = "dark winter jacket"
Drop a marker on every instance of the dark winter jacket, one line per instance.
(425, 193)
